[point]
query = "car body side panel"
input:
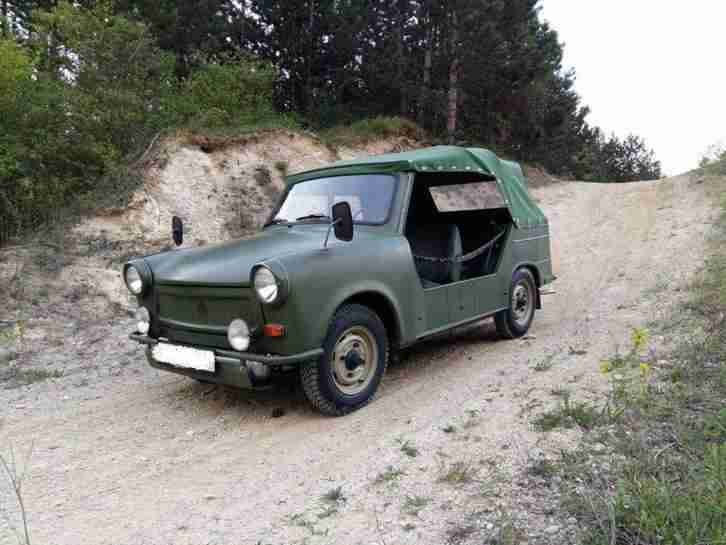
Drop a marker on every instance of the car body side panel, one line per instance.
(531, 247)
(437, 308)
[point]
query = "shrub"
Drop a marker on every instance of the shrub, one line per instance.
(370, 129)
(714, 160)
(235, 94)
(86, 95)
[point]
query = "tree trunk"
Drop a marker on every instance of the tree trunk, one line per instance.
(400, 67)
(453, 81)
(426, 87)
(308, 86)
(5, 22)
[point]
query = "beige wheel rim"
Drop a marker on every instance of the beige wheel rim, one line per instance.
(522, 303)
(354, 360)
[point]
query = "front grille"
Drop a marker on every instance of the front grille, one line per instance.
(199, 315)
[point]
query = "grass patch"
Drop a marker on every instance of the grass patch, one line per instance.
(569, 414)
(460, 533)
(668, 483)
(390, 474)
(328, 512)
(17, 376)
(458, 473)
(545, 364)
(543, 468)
(409, 449)
(366, 130)
(412, 505)
(334, 495)
(560, 391)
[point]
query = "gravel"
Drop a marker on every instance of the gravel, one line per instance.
(130, 455)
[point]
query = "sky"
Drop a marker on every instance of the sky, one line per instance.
(656, 68)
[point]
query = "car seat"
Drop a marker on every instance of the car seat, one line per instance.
(437, 240)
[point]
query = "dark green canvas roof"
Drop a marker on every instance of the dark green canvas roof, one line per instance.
(445, 159)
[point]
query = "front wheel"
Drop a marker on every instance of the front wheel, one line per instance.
(515, 321)
(347, 375)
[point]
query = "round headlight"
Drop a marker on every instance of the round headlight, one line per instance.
(133, 280)
(238, 335)
(143, 320)
(266, 285)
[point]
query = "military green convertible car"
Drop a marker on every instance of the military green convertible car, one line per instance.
(422, 242)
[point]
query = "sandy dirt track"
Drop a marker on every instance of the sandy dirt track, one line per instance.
(142, 457)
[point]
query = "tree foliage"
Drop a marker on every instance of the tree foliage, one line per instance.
(84, 85)
(86, 91)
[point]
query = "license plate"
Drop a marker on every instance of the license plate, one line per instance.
(184, 356)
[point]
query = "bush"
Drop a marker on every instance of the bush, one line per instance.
(85, 96)
(370, 129)
(235, 94)
(714, 160)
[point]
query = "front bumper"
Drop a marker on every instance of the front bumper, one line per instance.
(231, 366)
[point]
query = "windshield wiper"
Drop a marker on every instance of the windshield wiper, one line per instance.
(276, 221)
(313, 217)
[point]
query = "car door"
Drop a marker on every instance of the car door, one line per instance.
(437, 305)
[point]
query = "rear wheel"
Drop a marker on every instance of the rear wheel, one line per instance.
(347, 375)
(515, 321)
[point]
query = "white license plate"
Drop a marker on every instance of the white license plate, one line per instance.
(183, 356)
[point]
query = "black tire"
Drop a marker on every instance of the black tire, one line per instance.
(329, 383)
(516, 320)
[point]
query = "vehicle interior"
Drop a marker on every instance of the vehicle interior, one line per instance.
(451, 216)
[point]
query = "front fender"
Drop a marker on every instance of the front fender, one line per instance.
(322, 280)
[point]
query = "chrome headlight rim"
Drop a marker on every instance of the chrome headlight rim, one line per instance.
(239, 335)
(143, 276)
(281, 288)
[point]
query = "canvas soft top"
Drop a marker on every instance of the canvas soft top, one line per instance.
(445, 159)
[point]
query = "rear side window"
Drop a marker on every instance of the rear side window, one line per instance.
(469, 196)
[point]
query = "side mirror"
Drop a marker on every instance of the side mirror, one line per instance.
(343, 221)
(177, 230)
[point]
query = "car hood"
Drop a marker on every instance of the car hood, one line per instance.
(231, 262)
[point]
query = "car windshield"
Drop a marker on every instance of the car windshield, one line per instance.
(369, 197)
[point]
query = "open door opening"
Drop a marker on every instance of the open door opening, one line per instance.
(457, 226)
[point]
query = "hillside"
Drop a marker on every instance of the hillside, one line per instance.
(221, 187)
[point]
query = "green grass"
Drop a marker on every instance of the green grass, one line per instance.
(412, 505)
(668, 485)
(460, 533)
(409, 449)
(366, 130)
(543, 468)
(390, 474)
(458, 473)
(17, 376)
(569, 414)
(334, 495)
(545, 364)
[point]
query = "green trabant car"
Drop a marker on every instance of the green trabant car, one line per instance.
(422, 242)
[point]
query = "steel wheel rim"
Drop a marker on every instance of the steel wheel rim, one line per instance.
(522, 303)
(355, 342)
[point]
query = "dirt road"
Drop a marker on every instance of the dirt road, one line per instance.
(134, 456)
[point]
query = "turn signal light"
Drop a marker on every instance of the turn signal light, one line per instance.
(273, 330)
